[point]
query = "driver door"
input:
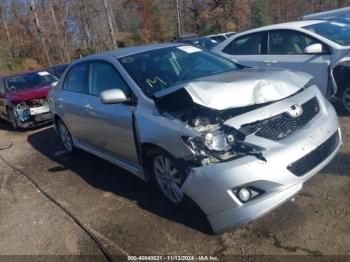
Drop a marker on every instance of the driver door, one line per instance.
(109, 126)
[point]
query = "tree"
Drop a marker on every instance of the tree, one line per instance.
(112, 30)
(259, 12)
(7, 31)
(38, 27)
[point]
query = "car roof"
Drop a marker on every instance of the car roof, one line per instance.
(21, 73)
(222, 34)
(337, 13)
(127, 51)
(289, 25)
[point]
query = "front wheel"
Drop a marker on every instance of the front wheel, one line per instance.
(168, 177)
(66, 137)
(345, 100)
(13, 119)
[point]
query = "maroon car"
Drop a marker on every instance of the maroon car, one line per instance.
(23, 98)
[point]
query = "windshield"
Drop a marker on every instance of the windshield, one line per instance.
(29, 80)
(163, 68)
(334, 31)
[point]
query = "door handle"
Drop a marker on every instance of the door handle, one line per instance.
(270, 61)
(88, 107)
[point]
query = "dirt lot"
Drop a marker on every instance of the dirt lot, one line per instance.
(126, 216)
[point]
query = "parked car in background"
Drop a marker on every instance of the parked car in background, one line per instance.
(57, 70)
(238, 142)
(221, 37)
(340, 15)
(23, 98)
(205, 43)
(318, 47)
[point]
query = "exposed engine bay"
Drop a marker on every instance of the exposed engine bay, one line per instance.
(216, 142)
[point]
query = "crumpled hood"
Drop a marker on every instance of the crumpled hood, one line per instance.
(245, 87)
(28, 93)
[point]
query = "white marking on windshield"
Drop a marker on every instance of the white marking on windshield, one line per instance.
(189, 49)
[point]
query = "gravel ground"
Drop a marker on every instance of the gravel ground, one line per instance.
(125, 216)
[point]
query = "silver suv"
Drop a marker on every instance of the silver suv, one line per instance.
(238, 142)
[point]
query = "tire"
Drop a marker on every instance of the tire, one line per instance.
(66, 137)
(345, 100)
(13, 120)
(167, 177)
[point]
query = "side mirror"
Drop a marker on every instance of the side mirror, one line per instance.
(314, 49)
(113, 96)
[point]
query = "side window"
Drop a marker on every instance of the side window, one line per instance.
(287, 42)
(75, 81)
(104, 76)
(246, 45)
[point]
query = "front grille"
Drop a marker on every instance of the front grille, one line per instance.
(314, 158)
(282, 125)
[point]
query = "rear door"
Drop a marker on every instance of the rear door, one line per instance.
(248, 50)
(286, 50)
(73, 100)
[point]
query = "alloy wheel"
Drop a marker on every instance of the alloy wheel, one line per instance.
(168, 178)
(13, 120)
(65, 137)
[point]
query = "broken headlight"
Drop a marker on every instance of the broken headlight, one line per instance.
(222, 145)
(22, 111)
(216, 141)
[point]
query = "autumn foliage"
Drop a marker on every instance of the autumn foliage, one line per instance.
(68, 29)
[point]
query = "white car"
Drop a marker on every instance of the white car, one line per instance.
(318, 47)
(221, 37)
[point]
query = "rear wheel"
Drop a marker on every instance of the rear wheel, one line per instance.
(345, 100)
(66, 137)
(168, 177)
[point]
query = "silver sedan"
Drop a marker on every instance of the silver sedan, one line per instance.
(238, 142)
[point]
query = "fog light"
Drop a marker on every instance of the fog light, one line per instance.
(244, 194)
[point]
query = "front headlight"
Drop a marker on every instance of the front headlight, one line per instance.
(214, 141)
(222, 144)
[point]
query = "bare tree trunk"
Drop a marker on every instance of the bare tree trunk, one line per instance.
(7, 31)
(110, 26)
(36, 20)
(9, 38)
(62, 49)
(88, 27)
(178, 19)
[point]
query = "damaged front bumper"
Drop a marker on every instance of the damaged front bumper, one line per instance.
(289, 163)
(32, 113)
(36, 120)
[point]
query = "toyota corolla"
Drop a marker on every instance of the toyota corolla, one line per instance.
(238, 142)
